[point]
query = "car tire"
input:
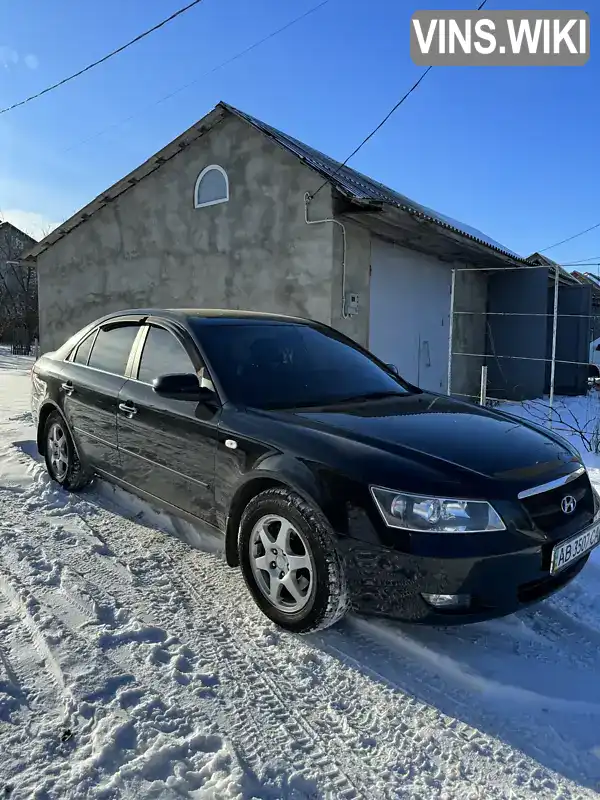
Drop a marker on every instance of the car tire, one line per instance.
(62, 461)
(319, 594)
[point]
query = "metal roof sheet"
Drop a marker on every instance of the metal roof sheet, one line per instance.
(360, 187)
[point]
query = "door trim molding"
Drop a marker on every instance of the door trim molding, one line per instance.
(149, 497)
(96, 438)
(162, 466)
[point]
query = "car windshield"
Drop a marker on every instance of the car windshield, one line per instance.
(285, 365)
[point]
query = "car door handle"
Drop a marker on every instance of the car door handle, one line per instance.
(67, 387)
(128, 409)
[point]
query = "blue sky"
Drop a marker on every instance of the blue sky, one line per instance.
(511, 151)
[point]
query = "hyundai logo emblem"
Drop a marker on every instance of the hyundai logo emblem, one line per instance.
(568, 504)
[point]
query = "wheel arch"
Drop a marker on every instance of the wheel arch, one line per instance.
(295, 478)
(43, 415)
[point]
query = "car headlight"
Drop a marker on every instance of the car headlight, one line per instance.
(411, 512)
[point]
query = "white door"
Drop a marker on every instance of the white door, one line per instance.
(409, 313)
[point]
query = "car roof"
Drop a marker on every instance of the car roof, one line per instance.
(207, 314)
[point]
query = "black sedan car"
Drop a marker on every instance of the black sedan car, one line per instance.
(334, 483)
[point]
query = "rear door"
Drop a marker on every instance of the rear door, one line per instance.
(167, 447)
(92, 380)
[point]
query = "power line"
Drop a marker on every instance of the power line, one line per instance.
(580, 262)
(570, 238)
(102, 60)
(204, 75)
(383, 121)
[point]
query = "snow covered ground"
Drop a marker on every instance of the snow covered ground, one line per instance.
(132, 665)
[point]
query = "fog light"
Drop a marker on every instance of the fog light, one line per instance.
(448, 600)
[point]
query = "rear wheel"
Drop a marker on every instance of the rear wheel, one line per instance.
(290, 563)
(62, 461)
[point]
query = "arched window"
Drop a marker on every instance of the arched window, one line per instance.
(212, 187)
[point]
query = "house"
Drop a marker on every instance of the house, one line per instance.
(236, 214)
(18, 286)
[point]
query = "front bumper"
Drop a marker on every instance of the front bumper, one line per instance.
(390, 583)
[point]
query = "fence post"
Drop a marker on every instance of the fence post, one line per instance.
(451, 330)
(553, 364)
(483, 387)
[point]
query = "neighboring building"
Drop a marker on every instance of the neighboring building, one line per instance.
(236, 214)
(18, 287)
(593, 281)
(574, 330)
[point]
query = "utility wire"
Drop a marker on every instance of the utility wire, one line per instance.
(570, 238)
(382, 123)
(580, 262)
(102, 60)
(199, 78)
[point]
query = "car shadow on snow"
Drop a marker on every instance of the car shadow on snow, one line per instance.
(29, 448)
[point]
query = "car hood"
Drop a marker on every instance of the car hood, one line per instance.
(479, 440)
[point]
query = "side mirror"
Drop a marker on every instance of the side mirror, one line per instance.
(393, 368)
(182, 386)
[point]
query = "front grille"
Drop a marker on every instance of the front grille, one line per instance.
(546, 513)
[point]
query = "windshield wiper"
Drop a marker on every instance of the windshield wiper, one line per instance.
(334, 401)
(357, 398)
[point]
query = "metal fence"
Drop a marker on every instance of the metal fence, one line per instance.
(21, 347)
(554, 347)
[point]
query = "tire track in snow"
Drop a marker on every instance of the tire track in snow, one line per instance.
(310, 755)
(276, 731)
(102, 689)
(351, 720)
(423, 771)
(397, 736)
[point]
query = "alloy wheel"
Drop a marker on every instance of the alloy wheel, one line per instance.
(282, 563)
(58, 451)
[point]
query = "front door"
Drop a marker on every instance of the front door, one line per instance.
(168, 447)
(90, 388)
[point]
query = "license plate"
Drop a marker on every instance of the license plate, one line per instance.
(569, 551)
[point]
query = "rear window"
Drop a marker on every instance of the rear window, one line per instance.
(83, 351)
(112, 348)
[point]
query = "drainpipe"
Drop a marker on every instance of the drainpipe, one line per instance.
(307, 199)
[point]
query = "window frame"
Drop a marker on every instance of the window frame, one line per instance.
(106, 327)
(93, 335)
(106, 324)
(140, 344)
(199, 179)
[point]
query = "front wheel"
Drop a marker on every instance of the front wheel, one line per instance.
(61, 458)
(290, 563)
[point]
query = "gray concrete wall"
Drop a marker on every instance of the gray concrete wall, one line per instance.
(518, 291)
(152, 247)
(469, 331)
(572, 338)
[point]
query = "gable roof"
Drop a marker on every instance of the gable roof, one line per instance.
(564, 275)
(5, 225)
(351, 184)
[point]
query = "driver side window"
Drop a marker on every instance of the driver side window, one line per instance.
(162, 354)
